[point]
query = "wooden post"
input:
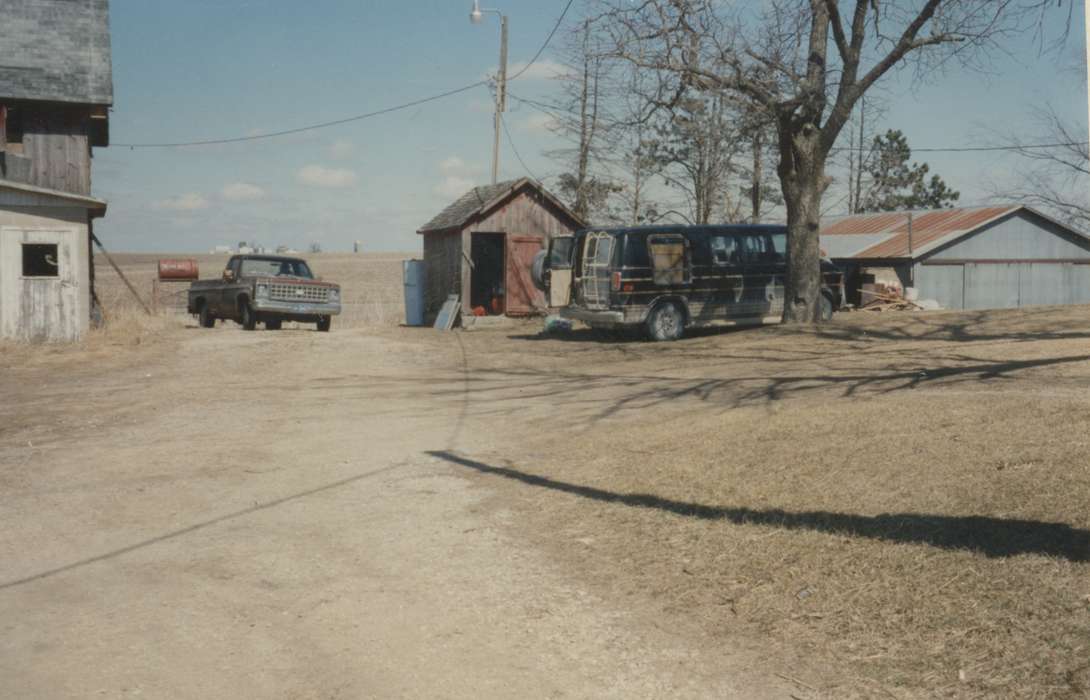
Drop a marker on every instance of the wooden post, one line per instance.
(121, 274)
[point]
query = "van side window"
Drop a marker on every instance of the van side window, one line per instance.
(779, 246)
(668, 259)
(724, 250)
(758, 248)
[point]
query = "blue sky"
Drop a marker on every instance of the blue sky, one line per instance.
(204, 69)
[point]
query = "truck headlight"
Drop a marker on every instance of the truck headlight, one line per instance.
(262, 290)
(334, 295)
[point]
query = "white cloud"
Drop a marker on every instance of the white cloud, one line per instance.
(341, 149)
(538, 123)
(453, 165)
(320, 176)
(241, 192)
(453, 186)
(190, 201)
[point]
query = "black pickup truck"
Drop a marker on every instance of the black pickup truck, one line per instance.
(267, 289)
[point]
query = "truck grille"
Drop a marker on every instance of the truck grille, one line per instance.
(298, 292)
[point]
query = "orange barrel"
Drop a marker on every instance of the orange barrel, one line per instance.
(178, 269)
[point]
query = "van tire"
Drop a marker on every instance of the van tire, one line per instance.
(273, 325)
(666, 322)
(825, 308)
(324, 322)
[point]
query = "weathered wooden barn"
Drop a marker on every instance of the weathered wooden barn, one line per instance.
(968, 258)
(56, 88)
(481, 246)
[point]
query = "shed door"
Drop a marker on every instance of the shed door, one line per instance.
(522, 297)
(39, 284)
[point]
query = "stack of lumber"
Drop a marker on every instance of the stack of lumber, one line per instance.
(886, 300)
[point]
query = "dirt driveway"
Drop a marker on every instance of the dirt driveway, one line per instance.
(230, 514)
(883, 507)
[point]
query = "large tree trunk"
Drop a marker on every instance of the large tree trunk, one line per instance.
(802, 177)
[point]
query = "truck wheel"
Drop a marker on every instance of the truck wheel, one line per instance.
(324, 322)
(272, 325)
(826, 310)
(205, 317)
(249, 318)
(666, 322)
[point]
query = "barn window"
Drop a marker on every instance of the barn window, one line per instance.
(40, 260)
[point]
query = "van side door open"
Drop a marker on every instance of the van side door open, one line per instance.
(559, 264)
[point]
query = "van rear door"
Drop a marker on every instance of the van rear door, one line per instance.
(559, 265)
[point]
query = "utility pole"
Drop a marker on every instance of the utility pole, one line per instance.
(475, 16)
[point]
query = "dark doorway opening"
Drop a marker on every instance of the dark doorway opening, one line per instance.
(486, 288)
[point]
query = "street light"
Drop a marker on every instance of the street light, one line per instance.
(476, 16)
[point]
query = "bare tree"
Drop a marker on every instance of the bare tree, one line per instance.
(807, 64)
(1057, 178)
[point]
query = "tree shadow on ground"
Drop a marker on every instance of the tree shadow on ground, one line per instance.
(992, 537)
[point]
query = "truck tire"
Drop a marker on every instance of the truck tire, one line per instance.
(205, 317)
(324, 322)
(248, 318)
(273, 325)
(666, 322)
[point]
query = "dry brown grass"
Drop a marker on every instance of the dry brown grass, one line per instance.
(899, 506)
(370, 283)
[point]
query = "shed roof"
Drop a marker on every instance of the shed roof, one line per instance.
(42, 196)
(480, 200)
(885, 235)
(56, 51)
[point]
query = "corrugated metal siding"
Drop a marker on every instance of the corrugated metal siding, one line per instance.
(1019, 237)
(943, 283)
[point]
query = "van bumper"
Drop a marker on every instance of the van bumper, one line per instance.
(593, 317)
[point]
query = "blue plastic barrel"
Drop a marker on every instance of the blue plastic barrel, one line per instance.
(413, 273)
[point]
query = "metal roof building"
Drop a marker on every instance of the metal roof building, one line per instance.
(967, 258)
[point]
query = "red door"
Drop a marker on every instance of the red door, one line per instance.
(523, 298)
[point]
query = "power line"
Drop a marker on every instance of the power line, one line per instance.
(974, 149)
(511, 143)
(322, 125)
(357, 117)
(549, 38)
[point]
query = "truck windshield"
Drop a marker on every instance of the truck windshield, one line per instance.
(268, 267)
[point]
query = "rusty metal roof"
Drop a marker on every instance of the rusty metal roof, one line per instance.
(930, 229)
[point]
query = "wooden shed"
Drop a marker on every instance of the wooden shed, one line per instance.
(481, 246)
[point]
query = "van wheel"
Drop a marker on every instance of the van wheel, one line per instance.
(205, 317)
(272, 325)
(826, 310)
(666, 322)
(249, 318)
(324, 322)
